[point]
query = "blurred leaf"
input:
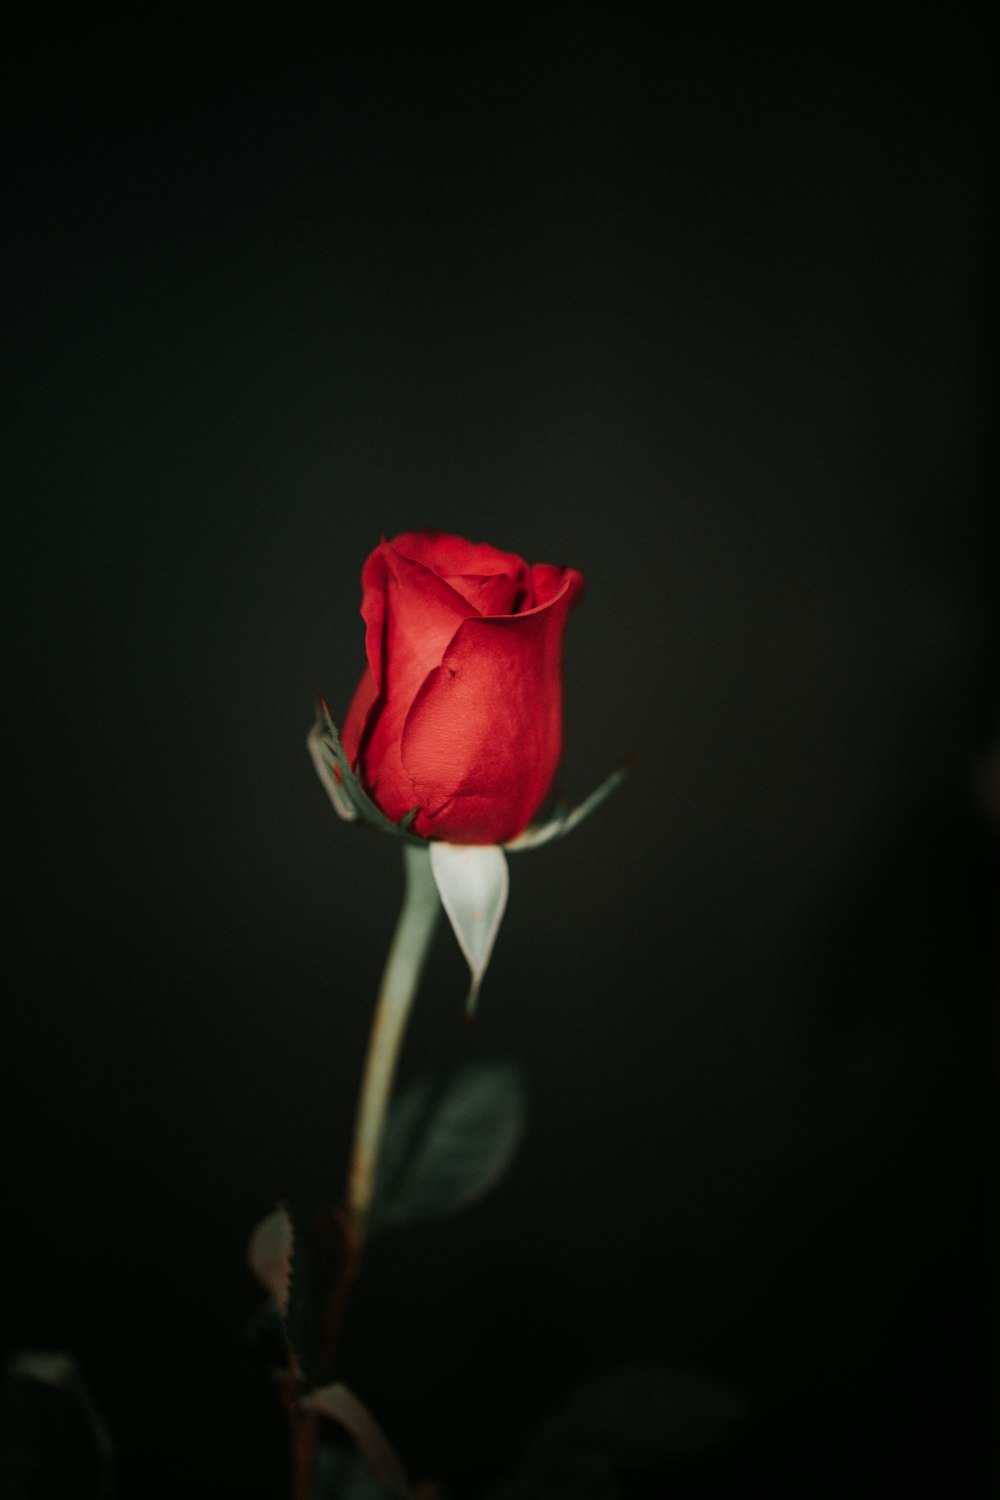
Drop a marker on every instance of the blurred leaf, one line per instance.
(449, 1139)
(54, 1444)
(324, 1259)
(269, 1255)
(342, 1474)
(341, 1404)
(574, 1476)
(640, 1414)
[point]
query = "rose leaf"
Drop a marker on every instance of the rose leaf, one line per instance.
(269, 1255)
(307, 1262)
(449, 1139)
(640, 1414)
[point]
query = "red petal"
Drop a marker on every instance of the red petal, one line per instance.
(484, 736)
(546, 581)
(365, 696)
(373, 584)
(453, 556)
(412, 614)
(492, 594)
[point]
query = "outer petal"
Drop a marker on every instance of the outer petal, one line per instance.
(489, 594)
(422, 613)
(454, 556)
(546, 581)
(483, 738)
(373, 591)
(412, 615)
(363, 704)
(356, 720)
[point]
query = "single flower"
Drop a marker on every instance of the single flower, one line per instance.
(459, 711)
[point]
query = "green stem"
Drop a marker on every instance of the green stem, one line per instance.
(410, 944)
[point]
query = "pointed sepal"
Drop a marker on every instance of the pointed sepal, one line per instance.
(340, 780)
(562, 819)
(472, 881)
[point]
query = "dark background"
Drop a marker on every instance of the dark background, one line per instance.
(704, 311)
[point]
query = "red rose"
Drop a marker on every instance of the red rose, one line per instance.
(459, 711)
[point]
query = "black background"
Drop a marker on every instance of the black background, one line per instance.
(704, 310)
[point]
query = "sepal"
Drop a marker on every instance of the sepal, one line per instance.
(562, 819)
(340, 780)
(352, 803)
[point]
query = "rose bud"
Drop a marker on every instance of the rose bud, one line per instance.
(459, 711)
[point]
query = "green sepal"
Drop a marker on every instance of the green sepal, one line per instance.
(343, 786)
(560, 819)
(341, 780)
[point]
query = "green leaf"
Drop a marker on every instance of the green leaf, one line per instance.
(53, 1440)
(342, 1474)
(640, 1414)
(269, 1255)
(449, 1139)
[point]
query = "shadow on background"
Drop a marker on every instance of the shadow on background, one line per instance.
(702, 315)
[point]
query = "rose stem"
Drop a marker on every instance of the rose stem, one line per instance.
(410, 944)
(305, 1432)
